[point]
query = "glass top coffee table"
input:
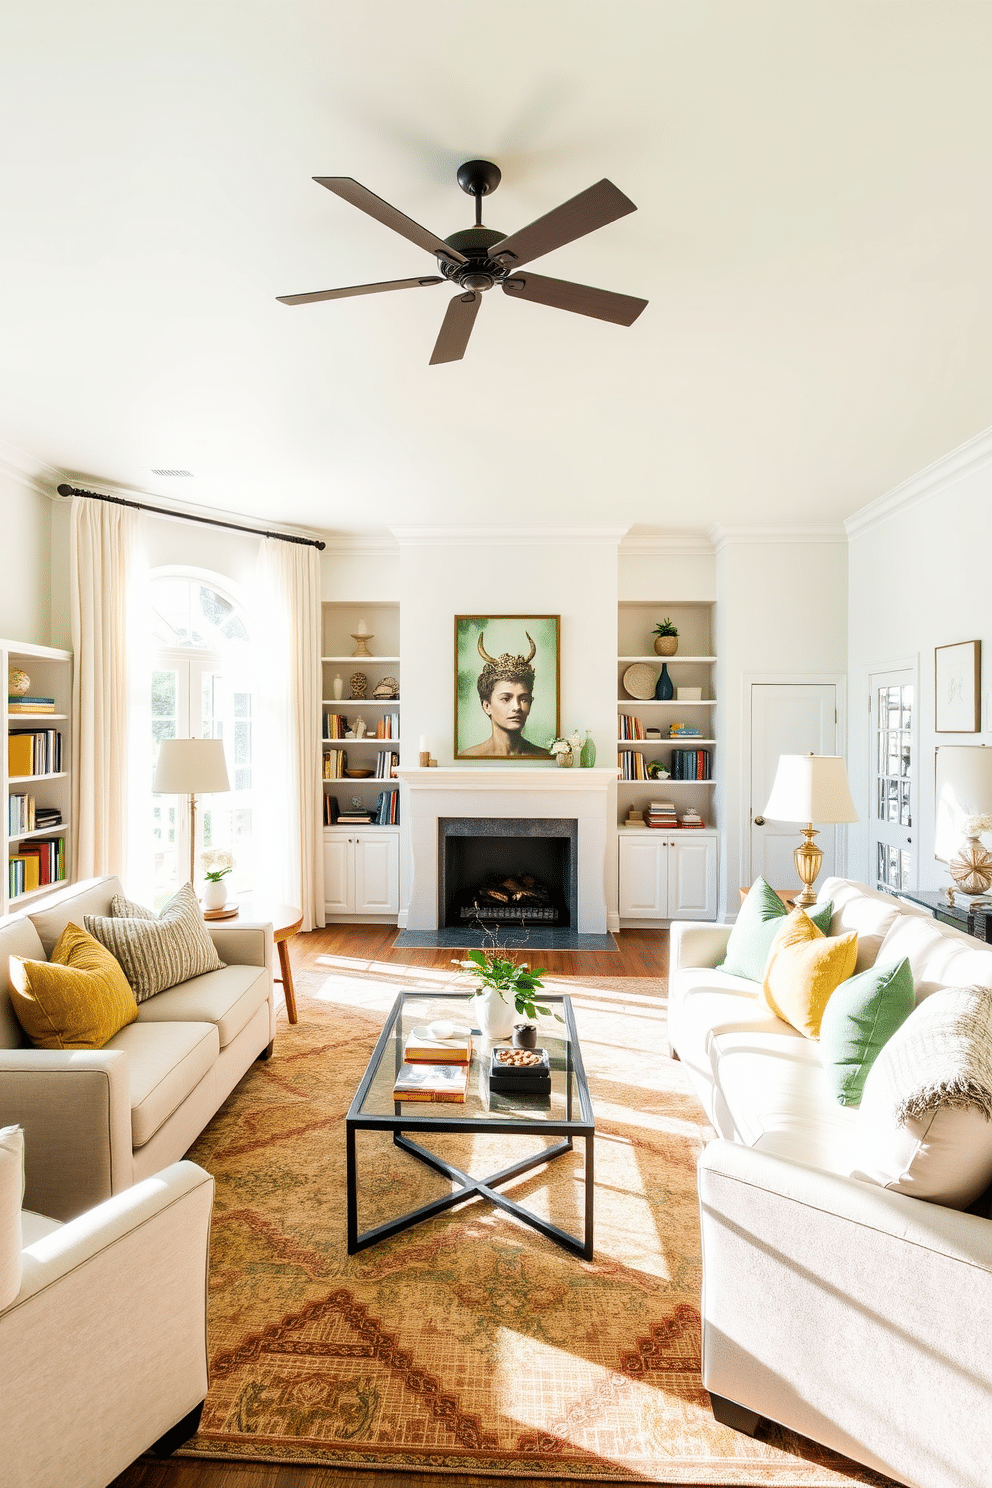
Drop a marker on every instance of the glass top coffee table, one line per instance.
(565, 1113)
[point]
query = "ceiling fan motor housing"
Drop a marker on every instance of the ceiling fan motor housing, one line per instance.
(481, 271)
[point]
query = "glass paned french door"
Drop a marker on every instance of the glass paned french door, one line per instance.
(893, 789)
(199, 698)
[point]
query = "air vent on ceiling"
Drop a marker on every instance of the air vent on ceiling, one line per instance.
(172, 472)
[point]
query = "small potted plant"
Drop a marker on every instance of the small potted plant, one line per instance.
(666, 638)
(216, 866)
(504, 988)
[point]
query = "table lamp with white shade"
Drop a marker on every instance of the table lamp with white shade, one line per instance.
(191, 767)
(810, 788)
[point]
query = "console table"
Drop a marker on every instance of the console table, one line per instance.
(960, 914)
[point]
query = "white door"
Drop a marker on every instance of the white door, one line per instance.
(692, 877)
(339, 875)
(377, 886)
(787, 718)
(893, 779)
(643, 876)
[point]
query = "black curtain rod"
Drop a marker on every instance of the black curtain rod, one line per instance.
(161, 511)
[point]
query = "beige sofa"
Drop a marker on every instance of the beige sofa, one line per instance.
(853, 1314)
(97, 1121)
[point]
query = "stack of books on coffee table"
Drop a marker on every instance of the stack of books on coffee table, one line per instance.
(434, 1069)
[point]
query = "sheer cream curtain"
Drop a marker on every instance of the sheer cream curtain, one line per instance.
(289, 791)
(110, 705)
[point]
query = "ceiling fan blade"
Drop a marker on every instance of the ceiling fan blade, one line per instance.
(356, 289)
(367, 201)
(592, 208)
(456, 327)
(601, 304)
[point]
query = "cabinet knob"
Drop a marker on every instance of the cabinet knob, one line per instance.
(759, 821)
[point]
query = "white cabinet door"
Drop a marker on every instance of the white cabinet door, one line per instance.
(644, 876)
(339, 875)
(692, 878)
(377, 882)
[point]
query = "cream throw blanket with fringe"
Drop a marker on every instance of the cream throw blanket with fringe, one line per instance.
(942, 1054)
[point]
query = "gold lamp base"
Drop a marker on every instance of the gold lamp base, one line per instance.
(808, 859)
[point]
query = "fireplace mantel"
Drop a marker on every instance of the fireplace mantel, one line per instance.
(507, 790)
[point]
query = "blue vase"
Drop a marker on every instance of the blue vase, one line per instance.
(664, 688)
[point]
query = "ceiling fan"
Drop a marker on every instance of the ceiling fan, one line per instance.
(478, 258)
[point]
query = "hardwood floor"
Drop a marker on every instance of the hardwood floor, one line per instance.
(640, 953)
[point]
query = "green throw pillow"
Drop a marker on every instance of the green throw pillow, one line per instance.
(860, 1017)
(754, 930)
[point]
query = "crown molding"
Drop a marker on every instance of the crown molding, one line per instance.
(503, 535)
(724, 537)
(648, 543)
(972, 456)
(35, 474)
(380, 544)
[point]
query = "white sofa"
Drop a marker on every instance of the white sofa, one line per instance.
(103, 1351)
(855, 1315)
(97, 1121)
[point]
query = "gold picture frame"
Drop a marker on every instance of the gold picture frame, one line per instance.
(519, 721)
(957, 691)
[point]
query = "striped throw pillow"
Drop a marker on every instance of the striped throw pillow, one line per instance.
(157, 952)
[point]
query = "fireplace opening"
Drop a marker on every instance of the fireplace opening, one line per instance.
(507, 872)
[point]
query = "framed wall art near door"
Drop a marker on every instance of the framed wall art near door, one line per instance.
(506, 686)
(958, 688)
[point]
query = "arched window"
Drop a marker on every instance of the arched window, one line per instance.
(201, 687)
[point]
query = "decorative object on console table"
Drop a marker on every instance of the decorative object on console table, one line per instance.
(666, 641)
(515, 694)
(809, 788)
(191, 767)
(958, 688)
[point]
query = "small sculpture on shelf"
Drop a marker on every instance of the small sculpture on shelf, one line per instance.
(359, 685)
(362, 635)
(388, 688)
(18, 682)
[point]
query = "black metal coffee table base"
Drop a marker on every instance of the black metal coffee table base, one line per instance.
(468, 1186)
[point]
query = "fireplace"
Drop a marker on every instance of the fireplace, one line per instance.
(507, 870)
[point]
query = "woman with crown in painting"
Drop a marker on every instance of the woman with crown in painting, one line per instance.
(506, 692)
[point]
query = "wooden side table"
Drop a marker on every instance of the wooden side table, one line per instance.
(787, 896)
(286, 920)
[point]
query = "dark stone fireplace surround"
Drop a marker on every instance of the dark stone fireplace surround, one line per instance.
(463, 839)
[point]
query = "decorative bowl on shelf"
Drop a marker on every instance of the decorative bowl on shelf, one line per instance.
(639, 680)
(358, 774)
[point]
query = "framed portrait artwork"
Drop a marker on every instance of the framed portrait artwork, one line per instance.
(958, 688)
(506, 686)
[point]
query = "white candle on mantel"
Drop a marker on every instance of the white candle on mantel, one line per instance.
(425, 746)
(361, 628)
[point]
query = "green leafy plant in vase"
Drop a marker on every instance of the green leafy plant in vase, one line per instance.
(666, 638)
(216, 867)
(505, 988)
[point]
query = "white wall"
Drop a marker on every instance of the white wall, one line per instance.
(781, 612)
(919, 579)
(26, 585)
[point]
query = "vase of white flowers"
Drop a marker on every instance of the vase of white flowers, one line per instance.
(561, 749)
(216, 866)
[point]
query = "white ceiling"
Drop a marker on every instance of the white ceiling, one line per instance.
(814, 235)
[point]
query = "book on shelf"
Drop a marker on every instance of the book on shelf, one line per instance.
(691, 819)
(431, 1082)
(335, 764)
(30, 705)
(335, 726)
(36, 865)
(684, 731)
(354, 818)
(34, 752)
(630, 727)
(420, 1048)
(20, 815)
(632, 765)
(388, 726)
(385, 761)
(691, 764)
(387, 809)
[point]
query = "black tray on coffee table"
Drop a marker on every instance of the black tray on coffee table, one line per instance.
(564, 1111)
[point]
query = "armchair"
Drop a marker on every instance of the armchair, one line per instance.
(103, 1347)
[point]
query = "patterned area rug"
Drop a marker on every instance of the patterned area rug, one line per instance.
(469, 1343)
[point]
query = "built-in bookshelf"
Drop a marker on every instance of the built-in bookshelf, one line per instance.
(645, 725)
(36, 831)
(360, 733)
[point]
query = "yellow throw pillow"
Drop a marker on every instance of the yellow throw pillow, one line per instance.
(804, 967)
(77, 1000)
